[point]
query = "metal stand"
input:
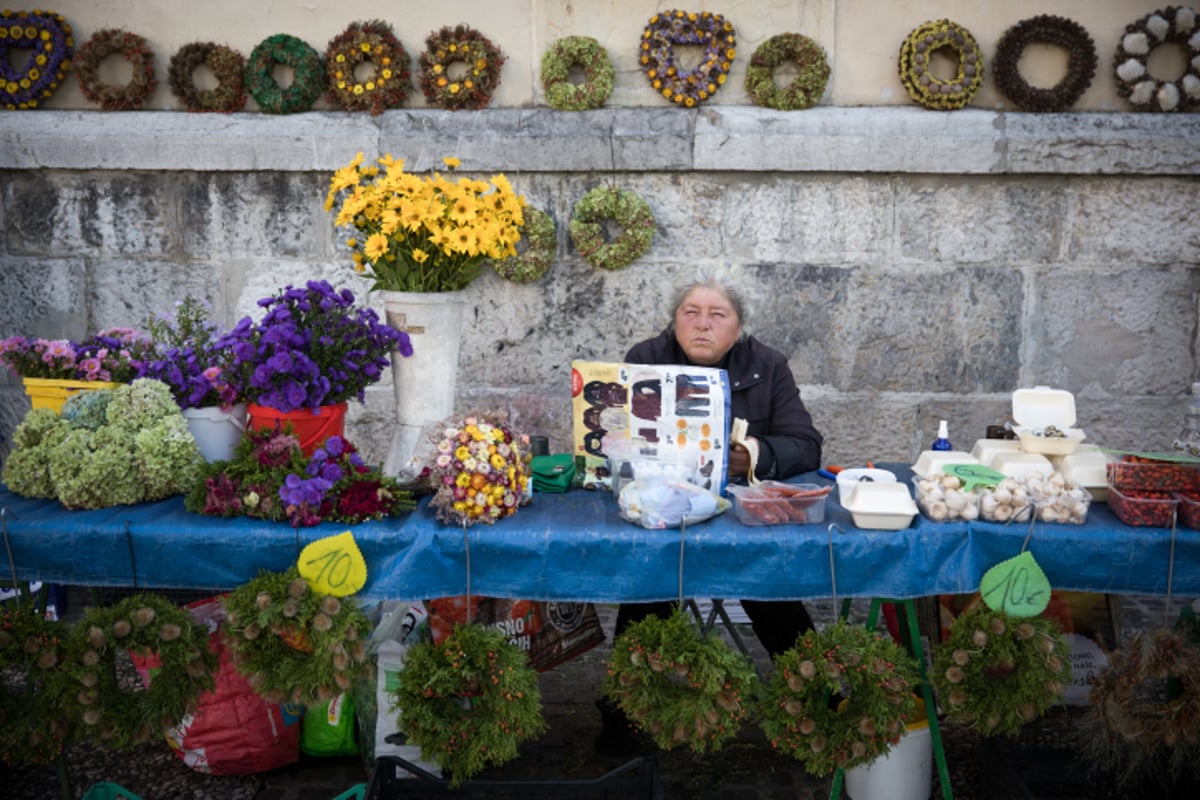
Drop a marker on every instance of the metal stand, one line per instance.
(707, 623)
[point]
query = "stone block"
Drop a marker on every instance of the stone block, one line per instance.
(1102, 143)
(45, 299)
(1120, 221)
(259, 214)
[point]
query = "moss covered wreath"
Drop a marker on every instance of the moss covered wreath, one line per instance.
(876, 679)
(135, 50)
(1000, 672)
(367, 42)
(32, 729)
(922, 85)
(625, 208)
(1134, 81)
(469, 701)
(657, 55)
(1052, 30)
(49, 37)
(292, 643)
(453, 45)
(308, 79)
(228, 67)
(541, 244)
(589, 56)
(805, 89)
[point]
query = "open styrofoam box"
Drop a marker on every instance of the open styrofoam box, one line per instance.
(1034, 409)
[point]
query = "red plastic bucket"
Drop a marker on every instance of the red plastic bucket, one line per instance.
(311, 429)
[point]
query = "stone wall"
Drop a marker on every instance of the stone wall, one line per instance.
(914, 265)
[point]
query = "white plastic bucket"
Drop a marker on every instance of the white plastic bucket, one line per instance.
(903, 773)
(216, 431)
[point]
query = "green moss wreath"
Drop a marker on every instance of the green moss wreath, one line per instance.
(292, 643)
(1000, 672)
(228, 67)
(806, 88)
(873, 674)
(628, 210)
(469, 701)
(1134, 82)
(364, 42)
(32, 729)
(145, 625)
(1052, 30)
(598, 73)
(922, 85)
(135, 50)
(679, 686)
(49, 37)
(307, 83)
(460, 44)
(541, 245)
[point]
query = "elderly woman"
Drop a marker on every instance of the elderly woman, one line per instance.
(708, 329)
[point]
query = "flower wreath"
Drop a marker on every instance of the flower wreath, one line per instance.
(670, 28)
(1134, 82)
(480, 472)
(469, 701)
(31, 649)
(1000, 671)
(678, 685)
(629, 210)
(227, 65)
(805, 89)
(876, 677)
(49, 36)
(483, 59)
(375, 42)
(541, 245)
(1045, 29)
(591, 57)
(292, 643)
(308, 81)
(131, 96)
(922, 85)
(145, 625)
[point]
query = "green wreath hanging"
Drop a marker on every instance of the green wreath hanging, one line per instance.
(308, 75)
(460, 44)
(1134, 81)
(681, 687)
(49, 37)
(135, 50)
(541, 244)
(657, 54)
(228, 67)
(805, 89)
(625, 208)
(589, 56)
(367, 42)
(469, 701)
(1052, 30)
(292, 643)
(32, 729)
(1000, 672)
(144, 625)
(873, 674)
(922, 85)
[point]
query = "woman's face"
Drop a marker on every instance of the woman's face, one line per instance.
(706, 326)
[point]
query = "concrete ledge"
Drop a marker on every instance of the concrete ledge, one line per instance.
(719, 138)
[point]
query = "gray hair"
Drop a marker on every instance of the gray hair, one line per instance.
(729, 281)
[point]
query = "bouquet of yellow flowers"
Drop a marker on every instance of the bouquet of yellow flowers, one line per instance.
(480, 473)
(423, 234)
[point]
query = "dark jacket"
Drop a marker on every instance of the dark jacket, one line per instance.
(764, 393)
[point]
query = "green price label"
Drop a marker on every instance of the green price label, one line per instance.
(1016, 586)
(973, 475)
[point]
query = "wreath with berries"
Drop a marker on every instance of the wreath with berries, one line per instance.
(460, 44)
(812, 72)
(628, 210)
(678, 685)
(367, 42)
(31, 650)
(1134, 81)
(134, 49)
(1052, 30)
(49, 37)
(147, 626)
(923, 86)
(541, 244)
(589, 56)
(1000, 672)
(308, 79)
(873, 674)
(228, 67)
(657, 58)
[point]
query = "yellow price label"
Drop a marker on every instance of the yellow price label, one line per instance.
(334, 565)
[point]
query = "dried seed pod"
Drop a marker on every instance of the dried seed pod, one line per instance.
(997, 626)
(979, 639)
(297, 588)
(169, 632)
(960, 657)
(795, 683)
(262, 601)
(122, 628)
(143, 616)
(331, 605)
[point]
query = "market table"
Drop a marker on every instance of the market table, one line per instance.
(575, 546)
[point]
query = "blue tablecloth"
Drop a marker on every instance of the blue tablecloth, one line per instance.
(575, 546)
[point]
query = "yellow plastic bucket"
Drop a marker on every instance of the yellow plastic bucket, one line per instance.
(53, 392)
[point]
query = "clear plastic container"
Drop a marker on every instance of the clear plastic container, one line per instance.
(769, 503)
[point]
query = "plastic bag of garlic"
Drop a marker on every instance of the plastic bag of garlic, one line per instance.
(1054, 498)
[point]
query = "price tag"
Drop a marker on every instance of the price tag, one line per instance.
(973, 475)
(333, 565)
(1016, 586)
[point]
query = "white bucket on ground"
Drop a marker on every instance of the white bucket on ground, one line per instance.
(903, 773)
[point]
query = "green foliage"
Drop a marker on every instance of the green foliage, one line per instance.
(32, 729)
(804, 90)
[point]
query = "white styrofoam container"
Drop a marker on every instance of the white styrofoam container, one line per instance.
(987, 449)
(930, 462)
(849, 479)
(1034, 409)
(1087, 466)
(1020, 464)
(881, 506)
